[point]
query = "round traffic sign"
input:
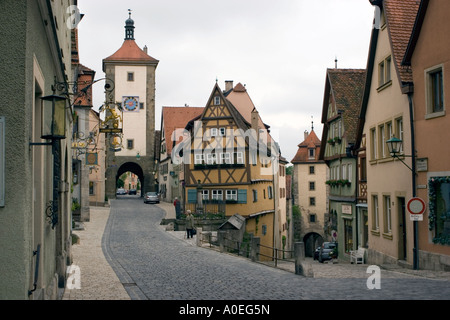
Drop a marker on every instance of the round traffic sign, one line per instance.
(416, 206)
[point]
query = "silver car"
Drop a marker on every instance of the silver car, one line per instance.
(151, 197)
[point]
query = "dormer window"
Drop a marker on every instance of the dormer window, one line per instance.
(311, 153)
(216, 100)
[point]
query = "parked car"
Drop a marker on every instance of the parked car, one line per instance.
(132, 191)
(151, 197)
(120, 191)
(328, 251)
(316, 253)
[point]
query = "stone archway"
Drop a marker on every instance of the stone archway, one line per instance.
(133, 168)
(312, 240)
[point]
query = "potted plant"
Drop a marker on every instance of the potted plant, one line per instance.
(337, 140)
(331, 141)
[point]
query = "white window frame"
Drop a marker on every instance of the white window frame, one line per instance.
(231, 194)
(216, 100)
(217, 194)
(199, 158)
(214, 132)
(205, 194)
(226, 158)
(222, 132)
(239, 156)
(430, 113)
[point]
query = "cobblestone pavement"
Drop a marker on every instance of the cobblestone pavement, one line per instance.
(140, 260)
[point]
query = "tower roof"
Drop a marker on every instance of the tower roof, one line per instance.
(130, 52)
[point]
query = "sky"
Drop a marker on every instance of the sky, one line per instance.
(280, 50)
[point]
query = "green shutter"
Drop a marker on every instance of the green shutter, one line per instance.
(242, 196)
(192, 195)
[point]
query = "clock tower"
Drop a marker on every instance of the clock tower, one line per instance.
(133, 72)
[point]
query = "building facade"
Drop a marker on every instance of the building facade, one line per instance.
(232, 164)
(173, 122)
(311, 191)
(385, 113)
(341, 105)
(428, 55)
(35, 172)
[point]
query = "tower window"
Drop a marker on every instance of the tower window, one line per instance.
(130, 76)
(130, 144)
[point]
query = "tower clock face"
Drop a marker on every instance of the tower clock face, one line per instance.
(131, 103)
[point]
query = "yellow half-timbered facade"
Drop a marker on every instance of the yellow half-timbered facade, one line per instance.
(231, 167)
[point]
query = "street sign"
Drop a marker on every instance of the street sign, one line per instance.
(416, 207)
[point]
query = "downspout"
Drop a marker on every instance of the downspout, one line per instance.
(413, 177)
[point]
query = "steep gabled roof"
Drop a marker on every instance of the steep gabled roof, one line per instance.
(311, 141)
(400, 19)
(176, 118)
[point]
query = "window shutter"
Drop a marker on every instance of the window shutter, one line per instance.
(192, 195)
(242, 196)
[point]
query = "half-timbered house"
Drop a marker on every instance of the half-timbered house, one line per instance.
(231, 165)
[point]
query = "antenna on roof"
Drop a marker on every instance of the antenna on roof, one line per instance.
(335, 62)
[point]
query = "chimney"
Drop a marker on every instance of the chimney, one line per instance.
(228, 85)
(255, 122)
(306, 134)
(146, 49)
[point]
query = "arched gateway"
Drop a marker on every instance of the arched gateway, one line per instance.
(133, 72)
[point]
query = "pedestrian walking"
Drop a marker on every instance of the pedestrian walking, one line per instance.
(177, 205)
(189, 224)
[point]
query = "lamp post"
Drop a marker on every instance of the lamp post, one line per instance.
(53, 128)
(395, 145)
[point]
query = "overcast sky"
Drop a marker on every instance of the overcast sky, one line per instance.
(279, 49)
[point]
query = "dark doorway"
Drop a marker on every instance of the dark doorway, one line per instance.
(312, 241)
(133, 168)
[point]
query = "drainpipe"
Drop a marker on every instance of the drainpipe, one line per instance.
(413, 167)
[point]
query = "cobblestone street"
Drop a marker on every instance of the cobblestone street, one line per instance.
(142, 261)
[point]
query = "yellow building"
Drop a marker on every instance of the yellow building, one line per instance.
(232, 166)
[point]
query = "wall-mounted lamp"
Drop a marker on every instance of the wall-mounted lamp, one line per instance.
(395, 146)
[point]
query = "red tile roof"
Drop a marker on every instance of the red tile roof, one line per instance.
(400, 18)
(177, 118)
(130, 51)
(311, 141)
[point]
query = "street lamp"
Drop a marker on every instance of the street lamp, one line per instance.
(53, 117)
(395, 145)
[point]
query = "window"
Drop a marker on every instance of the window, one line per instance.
(205, 194)
(312, 218)
(373, 144)
(222, 132)
(399, 131)
(231, 195)
(382, 141)
(217, 195)
(344, 172)
(255, 195)
(226, 158)
(211, 158)
(350, 172)
(312, 186)
(435, 90)
(311, 153)
(141, 105)
(239, 156)
(216, 100)
(363, 172)
(375, 220)
(387, 214)
(270, 192)
(214, 132)
(130, 144)
(130, 76)
(91, 188)
(312, 201)
(199, 158)
(311, 169)
(384, 73)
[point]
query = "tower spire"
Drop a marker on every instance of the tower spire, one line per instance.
(129, 27)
